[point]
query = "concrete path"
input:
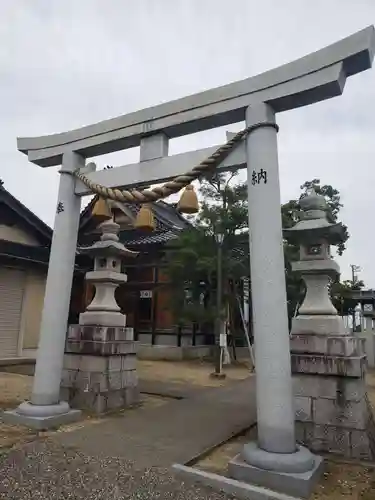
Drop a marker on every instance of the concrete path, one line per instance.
(174, 432)
(130, 456)
(174, 390)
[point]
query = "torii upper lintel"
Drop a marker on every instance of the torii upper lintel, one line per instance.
(313, 78)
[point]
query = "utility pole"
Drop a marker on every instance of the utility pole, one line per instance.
(218, 355)
(355, 269)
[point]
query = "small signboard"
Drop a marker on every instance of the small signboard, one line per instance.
(146, 294)
(368, 308)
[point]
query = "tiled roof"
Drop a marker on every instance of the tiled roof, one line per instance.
(137, 238)
(152, 238)
(168, 224)
(165, 213)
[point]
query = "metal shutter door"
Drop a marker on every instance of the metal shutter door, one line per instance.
(12, 282)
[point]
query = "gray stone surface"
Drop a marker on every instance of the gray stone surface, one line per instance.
(101, 402)
(350, 414)
(331, 438)
(109, 318)
(171, 166)
(346, 442)
(100, 340)
(300, 460)
(330, 345)
(106, 348)
(270, 323)
(353, 366)
(360, 444)
(352, 389)
(369, 335)
(310, 79)
(155, 146)
(331, 408)
(238, 489)
(98, 333)
(332, 325)
(40, 423)
(99, 364)
(100, 383)
(340, 420)
(174, 390)
(304, 408)
(296, 484)
(180, 430)
(54, 320)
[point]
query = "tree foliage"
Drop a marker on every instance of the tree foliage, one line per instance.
(341, 295)
(191, 260)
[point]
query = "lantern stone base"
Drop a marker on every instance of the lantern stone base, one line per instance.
(333, 413)
(99, 372)
(108, 318)
(318, 324)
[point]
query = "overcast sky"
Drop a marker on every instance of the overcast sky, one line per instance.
(69, 63)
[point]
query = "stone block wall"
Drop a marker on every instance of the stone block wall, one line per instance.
(333, 415)
(99, 374)
(332, 410)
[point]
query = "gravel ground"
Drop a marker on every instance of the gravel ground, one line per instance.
(45, 470)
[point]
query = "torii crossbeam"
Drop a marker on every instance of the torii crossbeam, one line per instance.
(318, 76)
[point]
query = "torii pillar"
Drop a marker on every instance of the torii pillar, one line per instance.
(275, 460)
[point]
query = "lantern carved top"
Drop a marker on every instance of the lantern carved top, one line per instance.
(109, 243)
(313, 201)
(314, 224)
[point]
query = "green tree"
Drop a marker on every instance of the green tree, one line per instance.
(341, 294)
(191, 261)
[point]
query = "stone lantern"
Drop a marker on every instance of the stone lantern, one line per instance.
(332, 411)
(99, 371)
(106, 277)
(314, 233)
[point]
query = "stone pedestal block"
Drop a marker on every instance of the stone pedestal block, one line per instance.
(100, 340)
(318, 324)
(331, 345)
(99, 372)
(369, 335)
(332, 410)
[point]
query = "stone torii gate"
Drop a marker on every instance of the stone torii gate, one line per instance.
(318, 76)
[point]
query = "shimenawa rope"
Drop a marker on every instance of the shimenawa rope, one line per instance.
(179, 182)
